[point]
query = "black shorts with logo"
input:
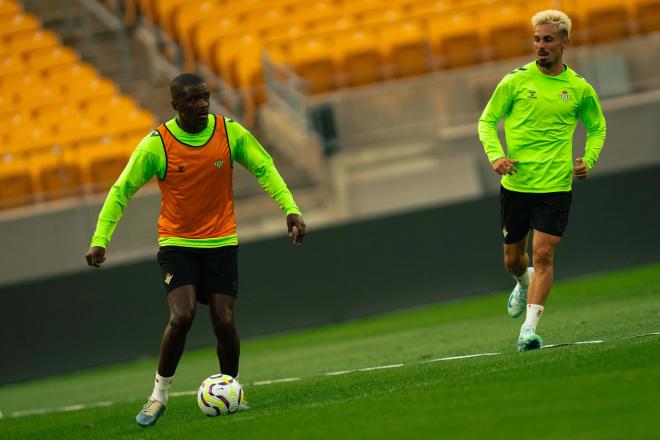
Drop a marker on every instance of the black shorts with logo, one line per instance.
(213, 270)
(545, 212)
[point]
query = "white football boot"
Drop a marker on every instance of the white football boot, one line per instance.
(518, 298)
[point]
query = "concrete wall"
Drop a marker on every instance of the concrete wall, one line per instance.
(115, 314)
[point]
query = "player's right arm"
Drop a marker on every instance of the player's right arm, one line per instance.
(146, 161)
(498, 106)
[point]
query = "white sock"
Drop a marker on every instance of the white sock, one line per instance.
(161, 385)
(524, 279)
(534, 312)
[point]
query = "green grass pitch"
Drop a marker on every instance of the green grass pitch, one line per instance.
(589, 391)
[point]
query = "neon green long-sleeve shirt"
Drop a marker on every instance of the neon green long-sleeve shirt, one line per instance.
(149, 160)
(540, 115)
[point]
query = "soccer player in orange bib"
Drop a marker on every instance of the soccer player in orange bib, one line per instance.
(193, 155)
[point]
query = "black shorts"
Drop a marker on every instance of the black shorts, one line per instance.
(212, 270)
(545, 212)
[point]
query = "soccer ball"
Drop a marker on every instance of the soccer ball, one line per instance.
(219, 395)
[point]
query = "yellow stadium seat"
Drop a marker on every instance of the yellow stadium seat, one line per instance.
(66, 74)
(206, 33)
(27, 137)
(26, 42)
(22, 22)
(9, 8)
(186, 18)
(102, 164)
(408, 49)
(304, 10)
(38, 95)
(427, 7)
(604, 20)
(312, 59)
(648, 16)
(134, 122)
(379, 14)
(71, 131)
(331, 23)
(262, 17)
(51, 115)
(12, 63)
(225, 52)
(16, 187)
(46, 58)
(510, 35)
(455, 40)
(17, 82)
(361, 57)
(96, 89)
(55, 176)
(164, 10)
(148, 9)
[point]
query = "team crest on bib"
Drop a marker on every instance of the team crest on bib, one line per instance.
(564, 95)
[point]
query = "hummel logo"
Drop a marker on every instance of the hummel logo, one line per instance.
(181, 169)
(532, 93)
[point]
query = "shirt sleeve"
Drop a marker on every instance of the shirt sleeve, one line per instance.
(591, 115)
(498, 106)
(248, 152)
(142, 166)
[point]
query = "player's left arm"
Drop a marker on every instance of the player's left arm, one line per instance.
(248, 152)
(591, 114)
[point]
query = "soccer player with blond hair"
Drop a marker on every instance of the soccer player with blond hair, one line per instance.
(541, 103)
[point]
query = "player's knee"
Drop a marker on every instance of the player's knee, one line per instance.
(224, 319)
(182, 321)
(512, 261)
(543, 256)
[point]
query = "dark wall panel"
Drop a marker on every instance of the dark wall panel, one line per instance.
(118, 313)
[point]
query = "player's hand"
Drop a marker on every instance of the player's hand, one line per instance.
(95, 256)
(504, 166)
(580, 170)
(296, 226)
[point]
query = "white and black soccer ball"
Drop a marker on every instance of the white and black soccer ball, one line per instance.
(219, 395)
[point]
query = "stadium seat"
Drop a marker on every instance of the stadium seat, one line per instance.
(55, 176)
(206, 33)
(510, 35)
(16, 186)
(164, 11)
(305, 10)
(97, 89)
(313, 61)
(408, 49)
(70, 75)
(188, 15)
(25, 42)
(605, 20)
(46, 58)
(379, 14)
(23, 22)
(9, 8)
(102, 164)
(361, 57)
(331, 23)
(455, 40)
(427, 7)
(648, 16)
(12, 63)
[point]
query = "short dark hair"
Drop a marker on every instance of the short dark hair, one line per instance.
(182, 81)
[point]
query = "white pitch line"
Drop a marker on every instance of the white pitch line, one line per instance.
(381, 367)
(268, 382)
(68, 408)
(453, 358)
(183, 393)
(293, 379)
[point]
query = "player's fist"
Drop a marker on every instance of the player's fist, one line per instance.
(580, 170)
(95, 256)
(296, 226)
(504, 166)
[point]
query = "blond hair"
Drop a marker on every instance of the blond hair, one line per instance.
(553, 16)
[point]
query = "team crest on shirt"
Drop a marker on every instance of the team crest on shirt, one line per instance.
(218, 163)
(564, 95)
